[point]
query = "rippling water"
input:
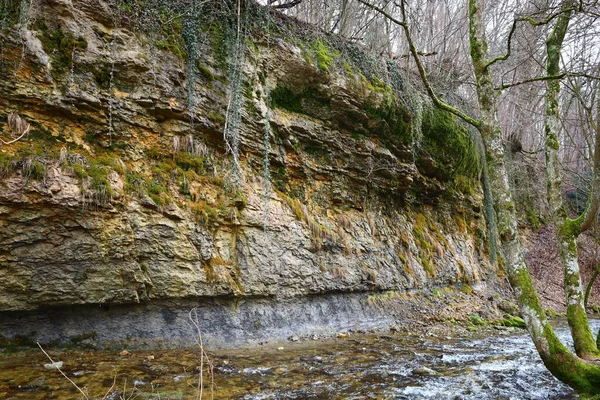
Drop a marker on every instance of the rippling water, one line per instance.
(496, 365)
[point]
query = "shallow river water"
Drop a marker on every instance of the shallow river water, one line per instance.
(486, 365)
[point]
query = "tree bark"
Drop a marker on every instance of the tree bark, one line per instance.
(582, 376)
(568, 230)
(588, 290)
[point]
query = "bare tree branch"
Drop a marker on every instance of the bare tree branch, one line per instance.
(413, 50)
(284, 6)
(513, 29)
(547, 78)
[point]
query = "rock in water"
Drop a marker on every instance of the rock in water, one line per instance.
(54, 365)
(424, 371)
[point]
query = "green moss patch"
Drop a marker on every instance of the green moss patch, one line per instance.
(450, 145)
(325, 55)
(305, 101)
(60, 45)
(395, 120)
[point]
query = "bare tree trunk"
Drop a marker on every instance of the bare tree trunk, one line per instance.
(582, 376)
(588, 290)
(568, 230)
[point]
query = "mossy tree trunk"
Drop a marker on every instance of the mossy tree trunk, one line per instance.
(568, 229)
(584, 377)
(580, 374)
(588, 291)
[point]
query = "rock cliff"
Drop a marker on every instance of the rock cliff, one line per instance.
(174, 161)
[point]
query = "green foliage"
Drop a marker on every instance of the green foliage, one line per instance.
(396, 120)
(302, 100)
(220, 32)
(188, 162)
(94, 176)
(35, 168)
(571, 228)
(511, 321)
(60, 46)
(101, 73)
(364, 62)
(170, 33)
(205, 71)
(281, 179)
(477, 320)
(155, 191)
(112, 162)
(428, 266)
(99, 182)
(450, 145)
(135, 183)
(217, 118)
(206, 214)
(7, 165)
(8, 14)
(464, 184)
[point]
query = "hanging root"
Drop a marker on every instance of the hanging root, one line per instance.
(17, 126)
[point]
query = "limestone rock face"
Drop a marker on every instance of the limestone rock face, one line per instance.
(121, 210)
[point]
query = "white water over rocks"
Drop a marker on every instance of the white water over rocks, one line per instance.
(495, 367)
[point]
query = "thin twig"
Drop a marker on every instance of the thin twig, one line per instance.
(17, 139)
(85, 396)
(112, 386)
(193, 317)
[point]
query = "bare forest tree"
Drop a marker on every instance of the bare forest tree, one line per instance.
(509, 60)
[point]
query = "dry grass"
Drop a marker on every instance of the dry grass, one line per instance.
(338, 272)
(345, 240)
(188, 144)
(318, 232)
(344, 221)
(372, 225)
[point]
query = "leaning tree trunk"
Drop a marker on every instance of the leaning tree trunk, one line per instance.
(584, 377)
(588, 290)
(581, 375)
(568, 230)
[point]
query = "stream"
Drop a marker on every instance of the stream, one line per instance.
(436, 364)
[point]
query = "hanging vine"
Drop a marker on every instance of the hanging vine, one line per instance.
(13, 13)
(24, 19)
(193, 43)
(266, 175)
(116, 16)
(235, 103)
